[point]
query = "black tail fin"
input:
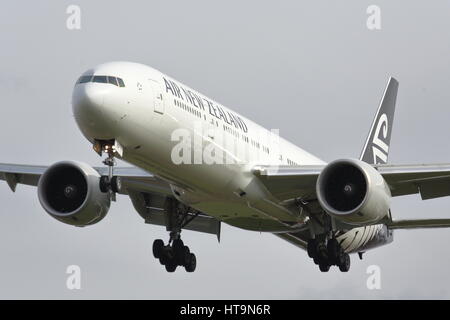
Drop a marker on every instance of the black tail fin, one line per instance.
(376, 148)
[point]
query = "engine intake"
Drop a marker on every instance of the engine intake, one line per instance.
(353, 192)
(70, 192)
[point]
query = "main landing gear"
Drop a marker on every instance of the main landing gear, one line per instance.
(174, 254)
(328, 253)
(323, 247)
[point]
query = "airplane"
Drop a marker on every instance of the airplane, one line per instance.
(197, 163)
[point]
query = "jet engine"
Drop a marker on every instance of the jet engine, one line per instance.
(353, 192)
(70, 192)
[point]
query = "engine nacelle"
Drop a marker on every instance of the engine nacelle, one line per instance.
(353, 192)
(70, 192)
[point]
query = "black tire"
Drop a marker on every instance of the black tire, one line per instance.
(104, 184)
(316, 260)
(163, 260)
(116, 184)
(158, 246)
(312, 248)
(322, 253)
(344, 262)
(178, 245)
(171, 266)
(191, 264)
(178, 251)
(185, 257)
(334, 251)
(324, 267)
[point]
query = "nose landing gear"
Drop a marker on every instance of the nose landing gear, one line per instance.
(109, 184)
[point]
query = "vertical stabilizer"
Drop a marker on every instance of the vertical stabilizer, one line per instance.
(376, 148)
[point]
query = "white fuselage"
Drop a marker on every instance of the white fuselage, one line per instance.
(155, 118)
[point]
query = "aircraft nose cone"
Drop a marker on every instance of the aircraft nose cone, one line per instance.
(87, 99)
(88, 109)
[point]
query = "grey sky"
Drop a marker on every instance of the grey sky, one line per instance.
(310, 68)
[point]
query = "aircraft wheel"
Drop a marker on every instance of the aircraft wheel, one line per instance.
(191, 263)
(116, 184)
(164, 258)
(324, 267)
(344, 263)
(171, 266)
(104, 184)
(334, 250)
(185, 256)
(158, 246)
(312, 248)
(179, 251)
(178, 246)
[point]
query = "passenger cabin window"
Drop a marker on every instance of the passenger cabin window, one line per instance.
(102, 79)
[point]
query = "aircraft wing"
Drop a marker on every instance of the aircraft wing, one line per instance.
(132, 177)
(136, 183)
(23, 174)
(287, 182)
(429, 180)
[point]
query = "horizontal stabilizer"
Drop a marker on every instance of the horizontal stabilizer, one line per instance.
(419, 224)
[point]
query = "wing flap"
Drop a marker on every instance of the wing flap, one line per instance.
(434, 189)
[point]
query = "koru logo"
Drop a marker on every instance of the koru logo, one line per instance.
(380, 149)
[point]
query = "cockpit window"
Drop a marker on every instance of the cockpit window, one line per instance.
(84, 79)
(102, 79)
(112, 80)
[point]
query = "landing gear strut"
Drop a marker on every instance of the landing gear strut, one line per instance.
(328, 253)
(110, 184)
